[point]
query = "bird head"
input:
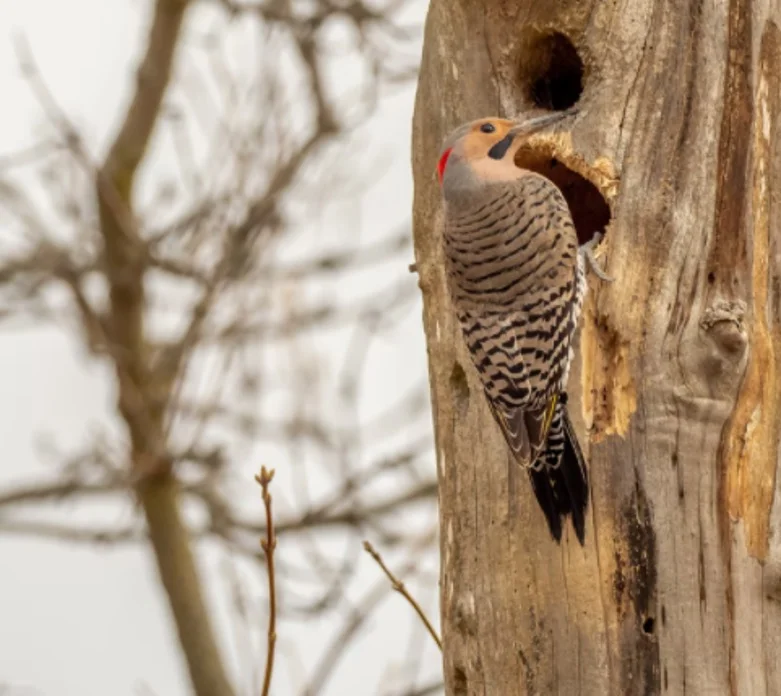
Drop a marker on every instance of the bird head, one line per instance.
(483, 150)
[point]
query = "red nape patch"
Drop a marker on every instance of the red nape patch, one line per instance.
(443, 163)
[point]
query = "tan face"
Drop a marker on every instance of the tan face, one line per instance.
(488, 145)
(483, 136)
(473, 141)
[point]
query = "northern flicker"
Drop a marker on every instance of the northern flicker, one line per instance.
(517, 279)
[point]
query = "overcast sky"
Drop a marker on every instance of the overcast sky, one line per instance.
(83, 621)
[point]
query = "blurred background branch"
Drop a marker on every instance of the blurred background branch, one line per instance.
(219, 263)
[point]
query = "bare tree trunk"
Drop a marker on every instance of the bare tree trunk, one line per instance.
(675, 388)
(145, 390)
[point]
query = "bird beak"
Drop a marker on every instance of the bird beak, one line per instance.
(534, 125)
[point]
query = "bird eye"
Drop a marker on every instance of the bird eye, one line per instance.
(488, 128)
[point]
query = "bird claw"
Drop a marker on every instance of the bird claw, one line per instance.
(587, 250)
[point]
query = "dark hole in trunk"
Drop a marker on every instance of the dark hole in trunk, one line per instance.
(553, 72)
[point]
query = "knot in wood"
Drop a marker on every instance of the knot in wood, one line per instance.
(723, 321)
(772, 573)
(464, 615)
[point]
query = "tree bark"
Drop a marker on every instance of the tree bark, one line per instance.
(675, 387)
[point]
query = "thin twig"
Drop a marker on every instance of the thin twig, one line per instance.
(357, 617)
(268, 545)
(399, 587)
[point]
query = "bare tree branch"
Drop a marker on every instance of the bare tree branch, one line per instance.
(125, 328)
(268, 544)
(209, 325)
(399, 587)
(353, 623)
(318, 518)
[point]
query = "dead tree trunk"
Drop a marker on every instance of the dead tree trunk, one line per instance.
(676, 384)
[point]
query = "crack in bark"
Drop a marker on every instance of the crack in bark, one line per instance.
(750, 441)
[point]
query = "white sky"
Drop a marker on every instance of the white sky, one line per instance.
(83, 621)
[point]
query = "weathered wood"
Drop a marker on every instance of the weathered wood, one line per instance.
(676, 387)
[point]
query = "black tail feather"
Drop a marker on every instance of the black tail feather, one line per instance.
(563, 490)
(547, 496)
(575, 474)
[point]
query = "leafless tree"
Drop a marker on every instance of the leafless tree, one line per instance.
(206, 285)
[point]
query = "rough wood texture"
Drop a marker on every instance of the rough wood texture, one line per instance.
(676, 387)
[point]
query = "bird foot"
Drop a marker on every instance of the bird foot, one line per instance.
(587, 250)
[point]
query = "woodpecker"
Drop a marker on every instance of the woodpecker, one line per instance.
(517, 279)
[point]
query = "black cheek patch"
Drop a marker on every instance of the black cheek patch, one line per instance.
(500, 149)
